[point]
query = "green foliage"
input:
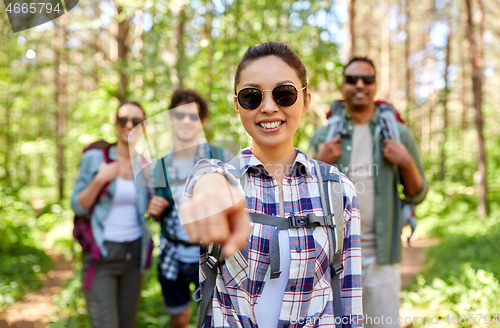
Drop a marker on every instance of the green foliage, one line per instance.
(463, 272)
(21, 255)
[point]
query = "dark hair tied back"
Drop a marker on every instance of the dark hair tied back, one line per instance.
(272, 48)
(130, 103)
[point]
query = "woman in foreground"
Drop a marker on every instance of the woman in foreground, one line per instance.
(280, 182)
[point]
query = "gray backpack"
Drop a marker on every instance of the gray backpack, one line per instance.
(332, 201)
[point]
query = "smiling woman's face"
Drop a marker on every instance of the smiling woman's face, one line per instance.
(270, 125)
(130, 112)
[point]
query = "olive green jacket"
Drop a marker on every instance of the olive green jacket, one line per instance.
(387, 201)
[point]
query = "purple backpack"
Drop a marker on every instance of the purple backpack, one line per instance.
(82, 230)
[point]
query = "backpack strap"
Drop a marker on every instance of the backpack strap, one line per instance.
(311, 220)
(331, 189)
(335, 121)
(335, 127)
(216, 152)
(107, 160)
(388, 123)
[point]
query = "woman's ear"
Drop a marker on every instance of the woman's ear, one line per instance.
(307, 103)
(235, 102)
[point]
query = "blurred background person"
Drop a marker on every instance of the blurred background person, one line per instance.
(179, 258)
(362, 147)
(107, 194)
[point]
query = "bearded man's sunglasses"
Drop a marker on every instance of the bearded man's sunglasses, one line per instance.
(283, 95)
(353, 79)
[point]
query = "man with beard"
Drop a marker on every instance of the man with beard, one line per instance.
(179, 258)
(375, 163)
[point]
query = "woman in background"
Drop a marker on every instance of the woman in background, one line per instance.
(115, 203)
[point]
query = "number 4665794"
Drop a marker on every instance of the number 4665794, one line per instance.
(32, 8)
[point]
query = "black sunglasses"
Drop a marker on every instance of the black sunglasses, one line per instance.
(353, 79)
(284, 96)
(180, 116)
(122, 121)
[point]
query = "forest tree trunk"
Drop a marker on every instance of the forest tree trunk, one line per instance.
(476, 58)
(442, 166)
(60, 82)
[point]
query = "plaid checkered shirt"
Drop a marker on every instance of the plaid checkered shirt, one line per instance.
(308, 297)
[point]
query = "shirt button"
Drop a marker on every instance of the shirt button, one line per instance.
(128, 256)
(348, 147)
(292, 213)
(289, 180)
(293, 288)
(299, 249)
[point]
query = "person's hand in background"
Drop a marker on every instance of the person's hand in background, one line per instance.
(156, 206)
(330, 151)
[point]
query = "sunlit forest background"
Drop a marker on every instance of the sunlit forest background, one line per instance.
(437, 61)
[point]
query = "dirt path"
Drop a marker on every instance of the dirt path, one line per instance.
(413, 263)
(35, 309)
(414, 258)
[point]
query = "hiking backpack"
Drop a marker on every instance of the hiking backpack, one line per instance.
(82, 228)
(388, 119)
(332, 202)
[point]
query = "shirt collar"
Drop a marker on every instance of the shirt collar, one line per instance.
(302, 165)
(203, 150)
(374, 118)
(373, 121)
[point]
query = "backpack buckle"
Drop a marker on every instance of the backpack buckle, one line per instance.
(337, 266)
(329, 221)
(214, 257)
(298, 221)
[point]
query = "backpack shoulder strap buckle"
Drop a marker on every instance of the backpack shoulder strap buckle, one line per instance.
(297, 221)
(215, 257)
(324, 221)
(337, 266)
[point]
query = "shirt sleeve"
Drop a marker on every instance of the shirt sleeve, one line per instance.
(205, 166)
(409, 141)
(351, 277)
(85, 177)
